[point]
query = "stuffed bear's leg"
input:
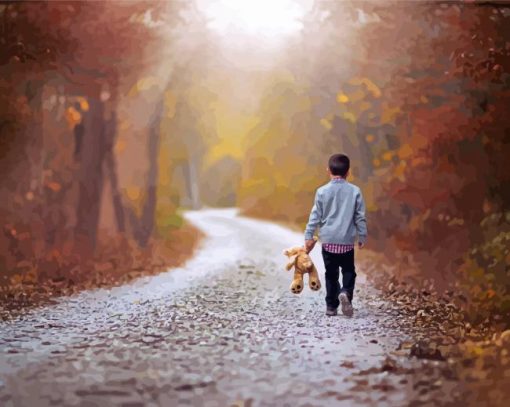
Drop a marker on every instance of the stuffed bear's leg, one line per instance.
(297, 284)
(313, 279)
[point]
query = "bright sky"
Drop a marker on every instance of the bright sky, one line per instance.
(272, 19)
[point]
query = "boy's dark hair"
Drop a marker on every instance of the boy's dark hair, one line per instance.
(339, 164)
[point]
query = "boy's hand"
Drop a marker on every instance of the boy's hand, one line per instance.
(361, 245)
(309, 245)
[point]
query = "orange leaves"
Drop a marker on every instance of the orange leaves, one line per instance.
(447, 122)
(120, 146)
(419, 141)
(487, 206)
(405, 151)
(357, 96)
(399, 170)
(350, 117)
(415, 162)
(368, 84)
(417, 222)
(73, 117)
(491, 293)
(342, 97)
(54, 186)
(364, 106)
(84, 104)
(388, 155)
(389, 114)
(326, 124)
(148, 83)
(358, 101)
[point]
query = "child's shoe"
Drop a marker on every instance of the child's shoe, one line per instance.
(346, 304)
(331, 312)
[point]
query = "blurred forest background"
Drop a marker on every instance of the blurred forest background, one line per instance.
(114, 116)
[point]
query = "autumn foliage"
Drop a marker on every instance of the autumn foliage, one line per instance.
(76, 208)
(115, 115)
(415, 95)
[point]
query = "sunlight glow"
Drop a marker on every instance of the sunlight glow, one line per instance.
(267, 18)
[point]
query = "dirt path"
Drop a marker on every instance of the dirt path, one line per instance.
(221, 330)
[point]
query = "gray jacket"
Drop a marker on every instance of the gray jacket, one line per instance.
(339, 212)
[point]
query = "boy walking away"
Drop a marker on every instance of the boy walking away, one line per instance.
(339, 213)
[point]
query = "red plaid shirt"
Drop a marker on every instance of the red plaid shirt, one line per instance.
(337, 248)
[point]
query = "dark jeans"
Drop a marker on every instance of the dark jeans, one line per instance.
(332, 263)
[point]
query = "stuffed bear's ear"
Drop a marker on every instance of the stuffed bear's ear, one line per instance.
(291, 251)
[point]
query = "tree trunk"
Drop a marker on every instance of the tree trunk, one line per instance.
(111, 168)
(35, 150)
(194, 192)
(365, 154)
(149, 208)
(34, 93)
(90, 179)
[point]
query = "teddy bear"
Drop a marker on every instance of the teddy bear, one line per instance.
(302, 263)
